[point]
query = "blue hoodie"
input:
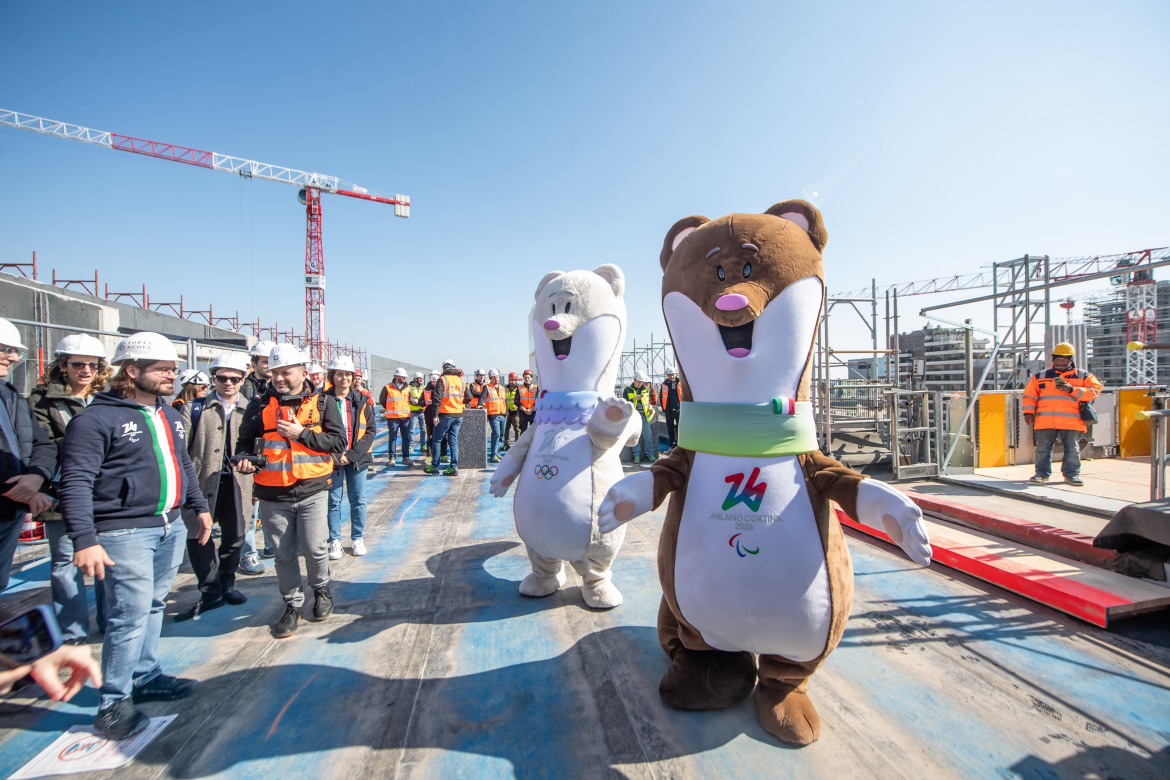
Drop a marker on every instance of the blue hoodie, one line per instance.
(122, 467)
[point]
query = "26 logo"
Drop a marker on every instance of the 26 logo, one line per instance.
(752, 494)
(546, 472)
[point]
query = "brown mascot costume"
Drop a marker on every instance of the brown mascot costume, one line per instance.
(756, 577)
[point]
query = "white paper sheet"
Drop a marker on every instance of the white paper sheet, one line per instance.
(82, 749)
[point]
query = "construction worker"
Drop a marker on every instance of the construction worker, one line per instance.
(132, 540)
(192, 384)
(670, 398)
(497, 409)
(257, 382)
(317, 376)
(641, 395)
(351, 466)
(1052, 406)
(211, 423)
(414, 398)
(359, 384)
(512, 423)
(300, 430)
(395, 399)
(430, 409)
(475, 389)
(448, 400)
(526, 397)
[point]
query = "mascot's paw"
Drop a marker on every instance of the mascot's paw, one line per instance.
(628, 498)
(601, 595)
(610, 416)
(788, 715)
(539, 587)
(707, 679)
(504, 475)
(881, 506)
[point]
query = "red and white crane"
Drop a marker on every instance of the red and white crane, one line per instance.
(311, 186)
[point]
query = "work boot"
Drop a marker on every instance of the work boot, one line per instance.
(1074, 481)
(287, 625)
(163, 688)
(195, 612)
(1038, 479)
(323, 604)
(120, 719)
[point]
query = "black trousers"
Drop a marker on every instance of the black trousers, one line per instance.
(216, 575)
(672, 426)
(526, 419)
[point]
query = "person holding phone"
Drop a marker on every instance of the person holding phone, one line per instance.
(1052, 406)
(30, 644)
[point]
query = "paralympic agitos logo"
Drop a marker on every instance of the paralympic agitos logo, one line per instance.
(752, 494)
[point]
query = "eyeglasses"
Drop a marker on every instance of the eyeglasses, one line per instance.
(154, 370)
(77, 365)
(12, 351)
(235, 380)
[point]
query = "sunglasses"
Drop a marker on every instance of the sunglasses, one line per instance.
(77, 365)
(228, 379)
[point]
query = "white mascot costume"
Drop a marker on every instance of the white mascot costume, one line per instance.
(570, 457)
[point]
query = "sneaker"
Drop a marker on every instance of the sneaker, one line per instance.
(251, 564)
(268, 552)
(1038, 478)
(359, 547)
(450, 472)
(287, 625)
(322, 604)
(196, 611)
(163, 688)
(408, 462)
(444, 459)
(430, 470)
(120, 719)
(334, 549)
(1074, 481)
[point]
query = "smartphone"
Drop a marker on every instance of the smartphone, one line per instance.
(28, 636)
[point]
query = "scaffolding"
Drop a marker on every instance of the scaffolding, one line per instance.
(653, 358)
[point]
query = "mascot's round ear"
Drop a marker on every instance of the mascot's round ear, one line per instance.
(676, 234)
(613, 276)
(805, 216)
(547, 278)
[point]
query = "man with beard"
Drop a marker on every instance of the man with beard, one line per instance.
(125, 474)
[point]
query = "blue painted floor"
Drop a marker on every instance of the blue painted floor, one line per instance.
(434, 666)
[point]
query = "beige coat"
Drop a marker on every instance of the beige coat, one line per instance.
(205, 446)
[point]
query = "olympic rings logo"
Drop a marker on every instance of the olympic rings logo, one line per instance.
(546, 472)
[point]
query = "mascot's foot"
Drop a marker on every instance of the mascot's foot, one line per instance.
(602, 595)
(539, 587)
(707, 679)
(788, 715)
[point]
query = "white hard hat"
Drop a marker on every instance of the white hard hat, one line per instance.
(342, 363)
(261, 349)
(285, 355)
(80, 344)
(315, 368)
(10, 336)
(435, 372)
(494, 372)
(236, 361)
(144, 346)
(671, 369)
(193, 376)
(641, 376)
(480, 372)
(400, 372)
(418, 375)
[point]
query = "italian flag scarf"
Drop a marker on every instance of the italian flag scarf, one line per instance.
(169, 474)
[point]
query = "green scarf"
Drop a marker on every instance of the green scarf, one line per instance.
(747, 429)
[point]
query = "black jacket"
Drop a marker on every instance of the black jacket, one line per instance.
(254, 386)
(360, 406)
(38, 453)
(54, 408)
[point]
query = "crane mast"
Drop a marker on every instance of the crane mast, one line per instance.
(311, 186)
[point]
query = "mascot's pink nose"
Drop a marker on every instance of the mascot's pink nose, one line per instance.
(551, 324)
(729, 302)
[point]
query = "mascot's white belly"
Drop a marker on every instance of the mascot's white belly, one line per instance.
(554, 494)
(750, 568)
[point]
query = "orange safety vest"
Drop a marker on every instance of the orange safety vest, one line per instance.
(290, 461)
(527, 397)
(495, 404)
(476, 389)
(452, 400)
(397, 403)
(364, 410)
(1055, 408)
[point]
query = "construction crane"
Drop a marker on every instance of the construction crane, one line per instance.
(311, 186)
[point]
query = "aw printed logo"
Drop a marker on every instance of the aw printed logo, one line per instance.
(752, 494)
(740, 550)
(130, 431)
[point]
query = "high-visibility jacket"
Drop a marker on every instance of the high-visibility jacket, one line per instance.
(363, 411)
(476, 388)
(510, 397)
(397, 404)
(1057, 408)
(414, 396)
(526, 396)
(494, 402)
(642, 399)
(452, 400)
(290, 461)
(664, 393)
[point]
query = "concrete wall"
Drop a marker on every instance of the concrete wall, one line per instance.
(382, 371)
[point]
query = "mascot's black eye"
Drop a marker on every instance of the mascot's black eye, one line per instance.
(722, 275)
(554, 307)
(747, 270)
(567, 305)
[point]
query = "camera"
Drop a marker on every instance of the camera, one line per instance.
(257, 461)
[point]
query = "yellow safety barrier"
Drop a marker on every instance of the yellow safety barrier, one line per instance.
(992, 410)
(1133, 434)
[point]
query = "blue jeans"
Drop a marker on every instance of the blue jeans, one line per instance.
(147, 560)
(395, 428)
(355, 479)
(67, 585)
(1046, 438)
(446, 427)
(647, 447)
(497, 423)
(9, 538)
(249, 547)
(418, 424)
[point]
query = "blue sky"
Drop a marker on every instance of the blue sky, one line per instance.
(936, 138)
